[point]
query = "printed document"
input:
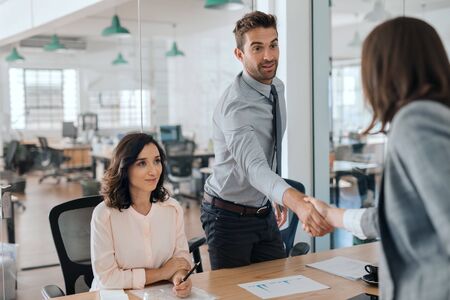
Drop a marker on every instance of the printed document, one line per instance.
(342, 266)
(284, 286)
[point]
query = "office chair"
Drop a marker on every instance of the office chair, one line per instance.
(288, 234)
(179, 166)
(17, 182)
(52, 159)
(70, 226)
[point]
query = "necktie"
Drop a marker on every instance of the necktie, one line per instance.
(276, 125)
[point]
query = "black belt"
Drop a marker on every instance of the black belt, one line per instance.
(242, 210)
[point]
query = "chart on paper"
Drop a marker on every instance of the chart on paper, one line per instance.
(284, 286)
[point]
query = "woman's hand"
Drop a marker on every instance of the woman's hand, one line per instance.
(333, 215)
(181, 289)
(173, 265)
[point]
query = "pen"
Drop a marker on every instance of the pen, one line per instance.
(190, 272)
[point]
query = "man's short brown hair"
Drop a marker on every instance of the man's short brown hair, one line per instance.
(251, 21)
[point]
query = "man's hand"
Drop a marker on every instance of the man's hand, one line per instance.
(310, 217)
(181, 289)
(333, 215)
(280, 214)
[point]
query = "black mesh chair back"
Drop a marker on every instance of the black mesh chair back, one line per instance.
(43, 142)
(288, 234)
(10, 153)
(180, 158)
(70, 225)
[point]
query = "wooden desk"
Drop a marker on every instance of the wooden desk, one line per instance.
(224, 283)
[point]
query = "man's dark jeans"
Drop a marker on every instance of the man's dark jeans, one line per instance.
(235, 240)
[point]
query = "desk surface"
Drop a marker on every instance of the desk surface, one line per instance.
(347, 166)
(224, 283)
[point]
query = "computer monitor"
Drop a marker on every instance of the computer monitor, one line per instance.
(69, 130)
(170, 133)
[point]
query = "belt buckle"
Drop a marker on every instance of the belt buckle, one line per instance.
(262, 211)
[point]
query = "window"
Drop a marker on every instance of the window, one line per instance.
(43, 98)
(120, 109)
(349, 110)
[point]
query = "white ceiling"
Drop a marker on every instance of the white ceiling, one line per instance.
(157, 17)
(346, 12)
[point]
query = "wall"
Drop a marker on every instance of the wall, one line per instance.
(97, 73)
(197, 80)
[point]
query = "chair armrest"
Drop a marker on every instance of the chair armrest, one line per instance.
(194, 248)
(196, 242)
(51, 291)
(299, 249)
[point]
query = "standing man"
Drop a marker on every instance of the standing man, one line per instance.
(248, 126)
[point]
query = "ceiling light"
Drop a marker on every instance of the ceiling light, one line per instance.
(224, 4)
(174, 51)
(54, 44)
(356, 40)
(14, 55)
(115, 28)
(119, 60)
(378, 13)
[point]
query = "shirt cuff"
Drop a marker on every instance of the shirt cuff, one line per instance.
(277, 193)
(138, 278)
(352, 222)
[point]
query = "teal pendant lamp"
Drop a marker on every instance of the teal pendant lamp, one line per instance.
(119, 60)
(224, 4)
(54, 44)
(14, 56)
(115, 28)
(174, 51)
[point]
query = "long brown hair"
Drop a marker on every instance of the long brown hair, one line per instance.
(115, 182)
(403, 60)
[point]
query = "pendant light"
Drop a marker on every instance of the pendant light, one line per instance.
(378, 12)
(54, 44)
(174, 51)
(119, 60)
(14, 56)
(116, 28)
(356, 40)
(224, 4)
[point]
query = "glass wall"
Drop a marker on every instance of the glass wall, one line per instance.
(356, 161)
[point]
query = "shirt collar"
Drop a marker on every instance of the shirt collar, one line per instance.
(262, 88)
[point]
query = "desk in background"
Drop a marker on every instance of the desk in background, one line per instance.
(345, 168)
(103, 154)
(79, 154)
(224, 283)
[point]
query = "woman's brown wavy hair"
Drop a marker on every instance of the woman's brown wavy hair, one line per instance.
(403, 60)
(115, 183)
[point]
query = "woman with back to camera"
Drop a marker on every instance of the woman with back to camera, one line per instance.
(137, 232)
(406, 80)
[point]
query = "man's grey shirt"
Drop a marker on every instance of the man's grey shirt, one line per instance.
(244, 143)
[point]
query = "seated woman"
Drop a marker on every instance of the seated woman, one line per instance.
(137, 233)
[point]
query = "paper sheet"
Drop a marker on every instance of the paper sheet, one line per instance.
(113, 295)
(342, 266)
(284, 286)
(164, 291)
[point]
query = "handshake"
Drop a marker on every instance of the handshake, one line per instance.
(318, 218)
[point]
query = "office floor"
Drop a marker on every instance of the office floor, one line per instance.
(36, 246)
